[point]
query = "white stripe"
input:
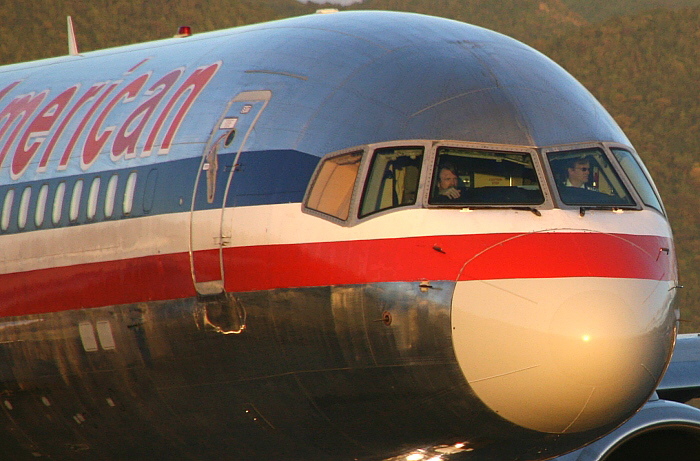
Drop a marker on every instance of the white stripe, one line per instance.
(286, 224)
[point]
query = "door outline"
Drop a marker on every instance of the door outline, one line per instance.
(209, 163)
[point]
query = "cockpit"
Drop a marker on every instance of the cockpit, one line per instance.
(353, 185)
(484, 177)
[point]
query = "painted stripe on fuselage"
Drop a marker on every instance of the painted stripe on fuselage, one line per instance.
(143, 256)
(166, 187)
(251, 268)
(538, 255)
(285, 224)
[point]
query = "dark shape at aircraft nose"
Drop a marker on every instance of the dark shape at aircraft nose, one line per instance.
(562, 354)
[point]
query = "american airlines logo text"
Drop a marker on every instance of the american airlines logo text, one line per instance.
(35, 138)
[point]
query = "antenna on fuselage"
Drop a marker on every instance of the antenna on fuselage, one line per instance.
(72, 44)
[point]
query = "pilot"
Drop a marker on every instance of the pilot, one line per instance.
(448, 186)
(578, 172)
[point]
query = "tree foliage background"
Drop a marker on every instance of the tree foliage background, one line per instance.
(640, 58)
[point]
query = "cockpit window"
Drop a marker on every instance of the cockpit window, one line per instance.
(639, 180)
(392, 180)
(478, 177)
(332, 188)
(585, 177)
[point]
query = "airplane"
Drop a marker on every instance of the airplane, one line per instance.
(343, 236)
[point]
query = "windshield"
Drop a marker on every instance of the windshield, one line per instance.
(585, 177)
(392, 180)
(639, 180)
(479, 177)
(333, 185)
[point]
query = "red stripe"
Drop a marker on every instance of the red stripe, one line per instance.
(98, 284)
(470, 257)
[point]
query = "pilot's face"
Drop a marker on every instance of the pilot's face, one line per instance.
(447, 179)
(578, 175)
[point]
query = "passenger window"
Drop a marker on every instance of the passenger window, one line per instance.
(479, 177)
(111, 195)
(7, 209)
(24, 207)
(41, 205)
(332, 188)
(129, 193)
(639, 180)
(92, 198)
(585, 177)
(74, 211)
(149, 190)
(392, 180)
(58, 203)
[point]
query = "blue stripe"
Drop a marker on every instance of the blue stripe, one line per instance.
(261, 178)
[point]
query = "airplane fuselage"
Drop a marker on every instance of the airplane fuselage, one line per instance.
(235, 245)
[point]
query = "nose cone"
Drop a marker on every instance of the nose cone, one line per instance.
(565, 354)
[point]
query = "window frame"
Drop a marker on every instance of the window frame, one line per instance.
(129, 197)
(645, 172)
(362, 152)
(23, 211)
(58, 203)
(375, 152)
(93, 197)
(540, 172)
(42, 200)
(76, 201)
(612, 161)
(540, 161)
(8, 204)
(367, 152)
(110, 202)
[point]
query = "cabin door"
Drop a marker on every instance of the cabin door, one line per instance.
(210, 225)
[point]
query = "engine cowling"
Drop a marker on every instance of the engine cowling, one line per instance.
(661, 430)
